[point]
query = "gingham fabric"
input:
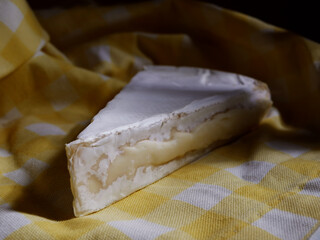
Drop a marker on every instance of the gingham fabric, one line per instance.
(265, 185)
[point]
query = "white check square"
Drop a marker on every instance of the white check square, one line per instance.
(252, 171)
(11, 16)
(285, 225)
(61, 93)
(10, 221)
(312, 188)
(10, 117)
(28, 172)
(140, 229)
(292, 149)
(204, 196)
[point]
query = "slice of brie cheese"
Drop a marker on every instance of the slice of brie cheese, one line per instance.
(163, 119)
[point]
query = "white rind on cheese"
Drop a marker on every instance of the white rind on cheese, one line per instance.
(163, 119)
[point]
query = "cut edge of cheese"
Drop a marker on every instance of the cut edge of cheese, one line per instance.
(110, 165)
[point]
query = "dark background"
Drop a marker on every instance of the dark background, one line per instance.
(301, 17)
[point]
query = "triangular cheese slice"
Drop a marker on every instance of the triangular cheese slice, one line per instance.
(163, 119)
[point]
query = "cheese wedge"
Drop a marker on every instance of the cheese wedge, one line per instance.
(163, 119)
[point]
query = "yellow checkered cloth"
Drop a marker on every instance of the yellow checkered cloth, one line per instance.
(266, 185)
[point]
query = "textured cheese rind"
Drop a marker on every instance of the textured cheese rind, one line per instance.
(162, 90)
(158, 102)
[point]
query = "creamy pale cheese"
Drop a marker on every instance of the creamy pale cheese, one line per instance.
(163, 119)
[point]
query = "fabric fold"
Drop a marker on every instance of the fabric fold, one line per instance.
(58, 69)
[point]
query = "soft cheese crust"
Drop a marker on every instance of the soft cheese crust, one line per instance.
(162, 109)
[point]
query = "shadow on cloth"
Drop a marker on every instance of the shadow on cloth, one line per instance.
(50, 195)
